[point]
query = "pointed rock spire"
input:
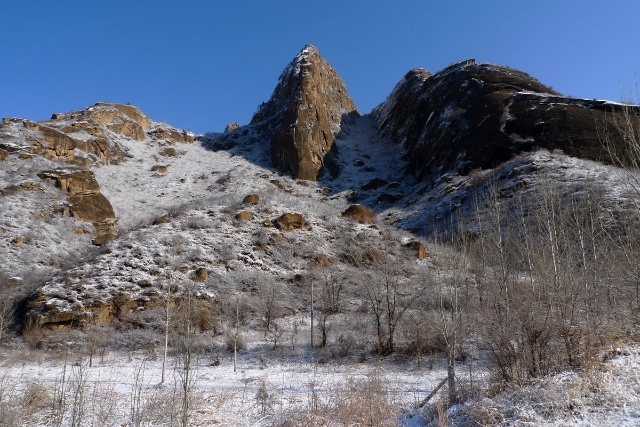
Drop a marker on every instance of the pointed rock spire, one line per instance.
(306, 109)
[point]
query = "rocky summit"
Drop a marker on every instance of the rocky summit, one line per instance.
(306, 110)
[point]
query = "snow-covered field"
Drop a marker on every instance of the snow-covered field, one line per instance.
(289, 387)
(269, 387)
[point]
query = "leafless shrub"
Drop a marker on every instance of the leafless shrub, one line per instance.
(369, 401)
(36, 396)
(233, 342)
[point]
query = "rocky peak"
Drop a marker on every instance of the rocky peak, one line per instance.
(308, 106)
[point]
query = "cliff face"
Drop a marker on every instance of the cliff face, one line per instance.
(479, 115)
(306, 109)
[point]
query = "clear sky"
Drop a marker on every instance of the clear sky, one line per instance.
(200, 65)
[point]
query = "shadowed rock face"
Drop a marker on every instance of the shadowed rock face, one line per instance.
(479, 115)
(303, 114)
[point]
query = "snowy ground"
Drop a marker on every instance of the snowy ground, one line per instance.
(124, 389)
(605, 395)
(270, 388)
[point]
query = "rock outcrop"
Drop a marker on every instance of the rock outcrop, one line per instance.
(251, 199)
(479, 115)
(360, 213)
(289, 222)
(86, 202)
(306, 109)
(231, 127)
(125, 120)
(57, 145)
(91, 136)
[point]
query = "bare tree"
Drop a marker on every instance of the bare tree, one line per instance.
(186, 351)
(330, 287)
(268, 301)
(389, 295)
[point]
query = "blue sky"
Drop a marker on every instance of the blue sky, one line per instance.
(202, 64)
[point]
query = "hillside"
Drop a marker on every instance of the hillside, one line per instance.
(476, 219)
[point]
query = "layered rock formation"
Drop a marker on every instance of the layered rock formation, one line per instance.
(86, 202)
(479, 115)
(306, 109)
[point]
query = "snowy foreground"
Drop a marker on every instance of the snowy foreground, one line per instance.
(124, 389)
(272, 388)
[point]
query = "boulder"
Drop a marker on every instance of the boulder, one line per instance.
(103, 238)
(244, 216)
(419, 249)
(360, 213)
(374, 184)
(160, 168)
(161, 219)
(200, 274)
(289, 222)
(372, 255)
(324, 260)
(305, 111)
(56, 145)
(126, 120)
(251, 199)
(28, 124)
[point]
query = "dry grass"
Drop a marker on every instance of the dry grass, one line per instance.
(360, 402)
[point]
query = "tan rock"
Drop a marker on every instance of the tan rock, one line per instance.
(289, 222)
(276, 238)
(160, 168)
(28, 124)
(57, 145)
(324, 260)
(3, 155)
(373, 256)
(128, 128)
(103, 238)
(251, 199)
(27, 186)
(161, 219)
(419, 248)
(231, 127)
(86, 202)
(244, 216)
(360, 213)
(201, 274)
(172, 135)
